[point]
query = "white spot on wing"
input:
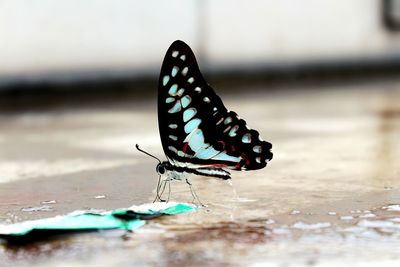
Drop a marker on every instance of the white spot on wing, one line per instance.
(175, 53)
(173, 149)
(169, 100)
(186, 101)
(185, 71)
(246, 138)
(232, 132)
(189, 114)
(196, 140)
(227, 120)
(257, 149)
(180, 92)
(191, 125)
(165, 80)
(173, 137)
(174, 71)
(176, 108)
(173, 89)
(206, 152)
(226, 157)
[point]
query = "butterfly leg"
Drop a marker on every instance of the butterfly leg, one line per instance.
(169, 189)
(163, 184)
(194, 195)
(158, 197)
(159, 192)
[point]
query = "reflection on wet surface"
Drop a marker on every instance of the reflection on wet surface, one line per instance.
(330, 196)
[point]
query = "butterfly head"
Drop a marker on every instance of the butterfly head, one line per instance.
(163, 167)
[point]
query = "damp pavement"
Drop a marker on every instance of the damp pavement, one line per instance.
(330, 196)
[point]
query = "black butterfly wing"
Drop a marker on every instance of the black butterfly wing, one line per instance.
(195, 127)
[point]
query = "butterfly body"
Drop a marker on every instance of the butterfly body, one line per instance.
(180, 173)
(199, 135)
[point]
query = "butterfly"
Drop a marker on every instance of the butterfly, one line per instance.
(198, 134)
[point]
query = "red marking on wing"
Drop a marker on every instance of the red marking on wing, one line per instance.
(218, 165)
(245, 158)
(185, 146)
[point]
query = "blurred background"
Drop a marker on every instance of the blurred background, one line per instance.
(78, 83)
(119, 45)
(78, 80)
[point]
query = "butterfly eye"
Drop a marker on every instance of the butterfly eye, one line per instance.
(160, 168)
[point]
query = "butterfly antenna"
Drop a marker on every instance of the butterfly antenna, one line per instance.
(148, 154)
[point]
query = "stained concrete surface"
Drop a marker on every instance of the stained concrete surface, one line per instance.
(329, 197)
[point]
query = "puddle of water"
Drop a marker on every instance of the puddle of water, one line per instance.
(269, 221)
(369, 215)
(48, 202)
(381, 225)
(39, 208)
(392, 207)
(346, 218)
(313, 226)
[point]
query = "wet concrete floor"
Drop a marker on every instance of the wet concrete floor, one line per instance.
(330, 196)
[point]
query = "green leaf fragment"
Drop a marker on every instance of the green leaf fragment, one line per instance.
(128, 219)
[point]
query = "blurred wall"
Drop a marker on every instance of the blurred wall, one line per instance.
(47, 37)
